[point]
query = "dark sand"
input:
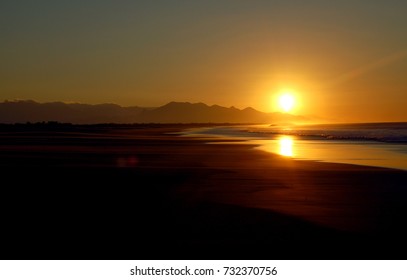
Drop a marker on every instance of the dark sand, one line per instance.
(141, 193)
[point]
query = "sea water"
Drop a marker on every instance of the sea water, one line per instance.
(371, 144)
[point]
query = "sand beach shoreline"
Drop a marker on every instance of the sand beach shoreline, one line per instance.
(143, 192)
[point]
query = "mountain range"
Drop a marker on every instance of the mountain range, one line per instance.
(173, 112)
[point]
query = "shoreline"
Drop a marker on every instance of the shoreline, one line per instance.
(302, 147)
(177, 197)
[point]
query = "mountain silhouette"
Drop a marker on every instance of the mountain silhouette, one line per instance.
(173, 112)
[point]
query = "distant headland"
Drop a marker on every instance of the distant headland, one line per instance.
(22, 111)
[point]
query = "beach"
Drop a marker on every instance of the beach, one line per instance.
(144, 192)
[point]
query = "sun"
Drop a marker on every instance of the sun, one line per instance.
(286, 101)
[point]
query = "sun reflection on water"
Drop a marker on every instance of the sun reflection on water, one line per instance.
(286, 146)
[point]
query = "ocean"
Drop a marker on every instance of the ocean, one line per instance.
(370, 144)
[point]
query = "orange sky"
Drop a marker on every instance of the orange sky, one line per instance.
(344, 61)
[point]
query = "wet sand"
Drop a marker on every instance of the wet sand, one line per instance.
(138, 192)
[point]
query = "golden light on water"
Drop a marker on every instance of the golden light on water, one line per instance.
(286, 146)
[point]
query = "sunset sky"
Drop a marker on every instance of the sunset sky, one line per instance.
(343, 60)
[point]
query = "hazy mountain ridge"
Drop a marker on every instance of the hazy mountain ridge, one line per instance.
(173, 112)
